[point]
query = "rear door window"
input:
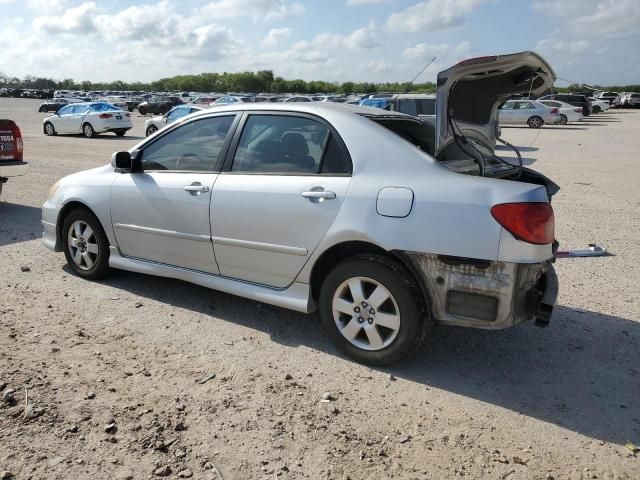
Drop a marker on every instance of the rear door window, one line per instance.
(288, 145)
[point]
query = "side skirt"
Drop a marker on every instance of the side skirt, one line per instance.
(296, 297)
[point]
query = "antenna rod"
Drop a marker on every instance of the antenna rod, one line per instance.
(420, 73)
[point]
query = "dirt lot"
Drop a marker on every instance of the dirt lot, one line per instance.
(120, 372)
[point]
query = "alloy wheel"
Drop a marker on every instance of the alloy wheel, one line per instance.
(83, 246)
(366, 313)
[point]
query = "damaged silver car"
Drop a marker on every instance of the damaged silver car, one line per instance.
(387, 224)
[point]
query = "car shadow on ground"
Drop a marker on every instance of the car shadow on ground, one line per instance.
(19, 223)
(581, 373)
(546, 126)
(520, 149)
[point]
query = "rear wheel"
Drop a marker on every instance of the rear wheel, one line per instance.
(151, 130)
(142, 111)
(88, 131)
(120, 133)
(85, 244)
(596, 109)
(535, 122)
(49, 129)
(372, 309)
(563, 119)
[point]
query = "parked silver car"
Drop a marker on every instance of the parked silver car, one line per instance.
(387, 224)
(528, 112)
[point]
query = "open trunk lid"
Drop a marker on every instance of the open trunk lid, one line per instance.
(469, 94)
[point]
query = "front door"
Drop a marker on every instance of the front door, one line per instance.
(277, 199)
(162, 212)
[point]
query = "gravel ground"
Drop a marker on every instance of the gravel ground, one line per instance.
(142, 377)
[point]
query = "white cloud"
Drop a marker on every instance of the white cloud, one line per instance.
(379, 66)
(356, 3)
(598, 18)
(275, 36)
(41, 7)
(74, 20)
(258, 10)
(574, 46)
(423, 52)
(432, 15)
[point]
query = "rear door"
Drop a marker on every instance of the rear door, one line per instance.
(283, 185)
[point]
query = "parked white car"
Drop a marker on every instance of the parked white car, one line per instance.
(153, 124)
(567, 113)
(298, 98)
(630, 100)
(88, 118)
(599, 105)
(612, 97)
(528, 112)
(385, 223)
(119, 102)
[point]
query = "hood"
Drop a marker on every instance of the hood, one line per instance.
(469, 94)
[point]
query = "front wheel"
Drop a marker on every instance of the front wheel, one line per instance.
(535, 122)
(151, 130)
(85, 244)
(563, 119)
(372, 309)
(49, 129)
(88, 131)
(596, 109)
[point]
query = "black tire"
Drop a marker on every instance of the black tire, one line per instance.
(563, 119)
(100, 265)
(49, 129)
(403, 289)
(596, 109)
(142, 111)
(88, 131)
(120, 133)
(41, 109)
(535, 122)
(151, 130)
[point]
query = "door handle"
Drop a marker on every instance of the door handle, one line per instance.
(317, 194)
(196, 188)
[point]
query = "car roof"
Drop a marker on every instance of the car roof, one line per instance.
(317, 108)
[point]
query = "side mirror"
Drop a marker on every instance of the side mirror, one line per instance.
(125, 161)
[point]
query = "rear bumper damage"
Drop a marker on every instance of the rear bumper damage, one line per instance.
(486, 294)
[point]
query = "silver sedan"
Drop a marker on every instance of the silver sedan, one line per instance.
(528, 112)
(387, 224)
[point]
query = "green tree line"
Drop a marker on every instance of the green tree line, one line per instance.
(256, 82)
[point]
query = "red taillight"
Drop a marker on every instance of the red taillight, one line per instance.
(555, 110)
(529, 222)
(17, 136)
(105, 115)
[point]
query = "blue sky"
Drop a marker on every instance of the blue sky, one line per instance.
(592, 41)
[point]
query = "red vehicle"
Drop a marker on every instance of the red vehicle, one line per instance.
(11, 151)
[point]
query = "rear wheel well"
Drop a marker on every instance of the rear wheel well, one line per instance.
(336, 254)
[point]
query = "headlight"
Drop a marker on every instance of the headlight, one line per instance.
(54, 189)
